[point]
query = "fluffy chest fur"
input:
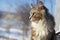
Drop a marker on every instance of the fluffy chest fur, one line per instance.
(41, 30)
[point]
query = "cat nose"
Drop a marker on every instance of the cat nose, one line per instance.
(29, 17)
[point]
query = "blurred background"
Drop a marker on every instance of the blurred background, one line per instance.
(14, 17)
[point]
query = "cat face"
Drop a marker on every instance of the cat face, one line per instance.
(36, 14)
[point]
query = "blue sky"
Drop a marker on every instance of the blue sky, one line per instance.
(11, 5)
(8, 5)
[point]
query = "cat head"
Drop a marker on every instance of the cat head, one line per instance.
(37, 13)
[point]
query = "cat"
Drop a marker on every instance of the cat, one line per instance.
(42, 23)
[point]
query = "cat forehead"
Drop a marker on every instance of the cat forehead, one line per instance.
(34, 10)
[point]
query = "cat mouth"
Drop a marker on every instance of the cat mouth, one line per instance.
(36, 19)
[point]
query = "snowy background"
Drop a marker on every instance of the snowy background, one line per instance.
(14, 17)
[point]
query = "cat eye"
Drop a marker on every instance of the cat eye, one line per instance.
(33, 13)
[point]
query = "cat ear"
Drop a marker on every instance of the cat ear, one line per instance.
(32, 6)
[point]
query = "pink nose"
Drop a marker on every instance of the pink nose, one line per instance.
(29, 17)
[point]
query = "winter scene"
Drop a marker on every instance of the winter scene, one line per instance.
(29, 19)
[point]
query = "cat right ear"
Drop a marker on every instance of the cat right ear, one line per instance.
(32, 6)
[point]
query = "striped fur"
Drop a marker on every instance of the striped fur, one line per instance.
(42, 24)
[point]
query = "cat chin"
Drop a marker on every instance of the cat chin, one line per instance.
(34, 20)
